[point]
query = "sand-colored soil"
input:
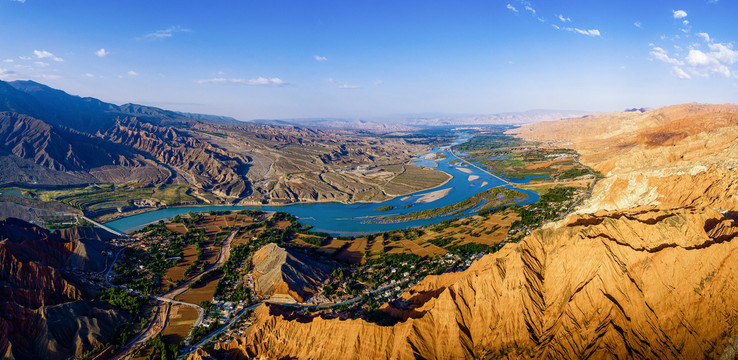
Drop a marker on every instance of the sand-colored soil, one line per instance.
(355, 252)
(433, 196)
(203, 293)
(181, 319)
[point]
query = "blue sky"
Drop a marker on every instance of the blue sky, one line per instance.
(363, 59)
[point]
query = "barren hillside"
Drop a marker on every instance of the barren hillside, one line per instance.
(683, 155)
(635, 284)
(47, 312)
(278, 271)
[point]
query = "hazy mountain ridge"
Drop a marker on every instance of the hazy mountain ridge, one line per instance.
(85, 137)
(411, 122)
(52, 138)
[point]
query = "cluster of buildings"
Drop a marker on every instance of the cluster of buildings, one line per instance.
(223, 310)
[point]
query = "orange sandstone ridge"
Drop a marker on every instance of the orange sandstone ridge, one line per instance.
(644, 283)
(682, 155)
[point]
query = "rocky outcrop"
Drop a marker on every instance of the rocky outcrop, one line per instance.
(58, 149)
(45, 311)
(279, 271)
(637, 284)
(201, 164)
(683, 155)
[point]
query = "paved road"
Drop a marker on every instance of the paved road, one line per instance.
(205, 340)
(225, 252)
(157, 323)
(586, 195)
(107, 273)
(215, 333)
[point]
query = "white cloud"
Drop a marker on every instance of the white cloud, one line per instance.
(42, 64)
(679, 14)
(89, 75)
(8, 60)
(704, 36)
(685, 22)
(342, 85)
(165, 33)
(48, 76)
(220, 81)
(724, 53)
(679, 73)
(509, 6)
(378, 83)
(43, 54)
(102, 53)
(698, 58)
(661, 55)
(320, 58)
(132, 73)
(20, 1)
(529, 8)
(638, 25)
(4, 73)
(590, 32)
(564, 19)
(718, 60)
(260, 81)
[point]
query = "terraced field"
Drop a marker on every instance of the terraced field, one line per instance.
(487, 230)
(107, 196)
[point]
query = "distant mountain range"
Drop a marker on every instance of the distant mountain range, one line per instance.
(410, 122)
(52, 138)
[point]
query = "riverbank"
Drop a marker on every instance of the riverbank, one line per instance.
(349, 219)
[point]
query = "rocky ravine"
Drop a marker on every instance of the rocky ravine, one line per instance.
(45, 311)
(636, 284)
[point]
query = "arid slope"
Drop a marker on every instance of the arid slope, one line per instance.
(46, 312)
(638, 284)
(683, 155)
(279, 271)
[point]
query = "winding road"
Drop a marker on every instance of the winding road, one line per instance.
(586, 196)
(158, 322)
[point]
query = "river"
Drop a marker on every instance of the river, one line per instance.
(360, 218)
